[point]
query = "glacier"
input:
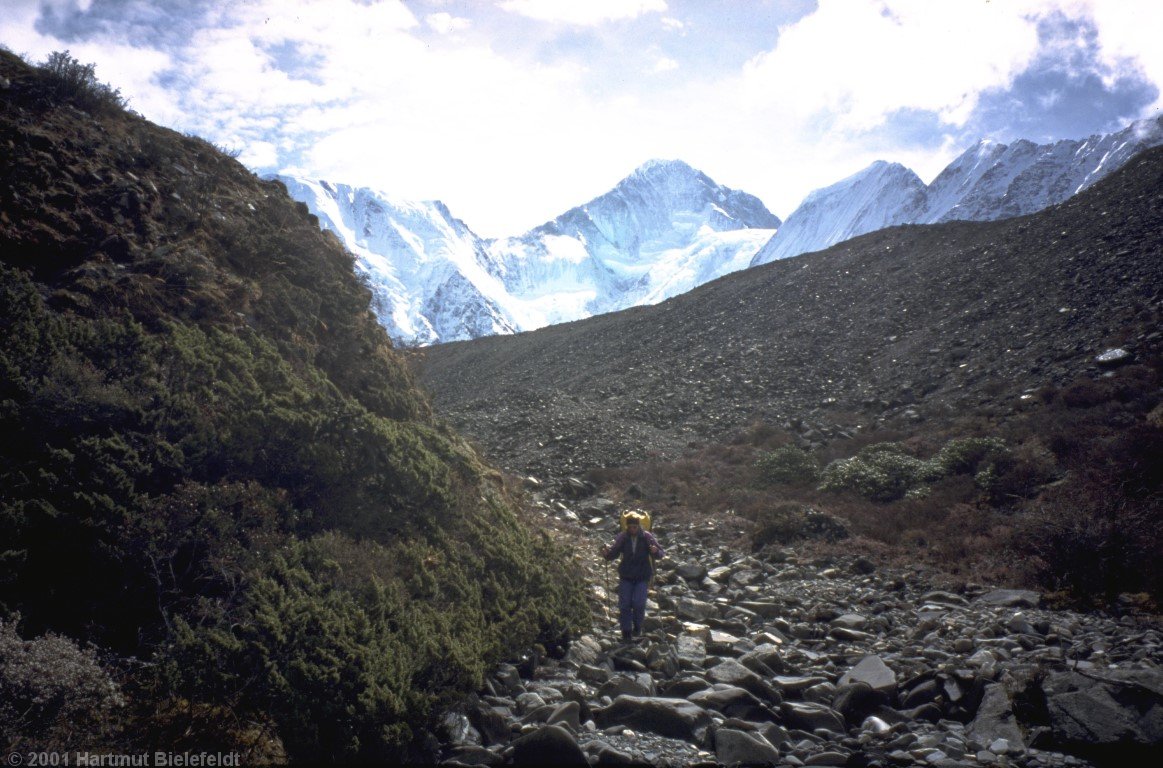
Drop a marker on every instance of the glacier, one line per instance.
(661, 231)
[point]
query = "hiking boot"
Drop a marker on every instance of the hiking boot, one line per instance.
(625, 637)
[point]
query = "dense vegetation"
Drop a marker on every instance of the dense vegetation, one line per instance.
(217, 471)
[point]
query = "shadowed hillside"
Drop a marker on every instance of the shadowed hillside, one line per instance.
(217, 470)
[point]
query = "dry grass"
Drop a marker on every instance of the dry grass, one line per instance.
(1074, 509)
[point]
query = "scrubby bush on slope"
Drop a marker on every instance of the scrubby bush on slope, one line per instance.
(214, 459)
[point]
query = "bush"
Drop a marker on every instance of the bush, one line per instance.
(53, 695)
(790, 522)
(788, 465)
(71, 81)
(1093, 545)
(965, 455)
(880, 472)
(887, 472)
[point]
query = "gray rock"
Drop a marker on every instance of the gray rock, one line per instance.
(995, 718)
(695, 610)
(858, 701)
(1112, 358)
(567, 714)
(731, 672)
(732, 702)
(692, 570)
(690, 651)
(734, 747)
(491, 725)
(808, 716)
(850, 621)
(1111, 709)
(873, 671)
(548, 745)
(471, 754)
(585, 650)
(1012, 598)
(623, 685)
(674, 718)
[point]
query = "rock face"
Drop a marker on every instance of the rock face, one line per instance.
(976, 677)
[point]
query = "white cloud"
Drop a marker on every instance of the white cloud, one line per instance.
(1129, 31)
(444, 23)
(512, 135)
(859, 61)
(664, 64)
(587, 13)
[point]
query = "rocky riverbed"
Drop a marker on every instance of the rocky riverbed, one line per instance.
(780, 658)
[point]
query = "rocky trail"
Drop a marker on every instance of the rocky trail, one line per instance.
(779, 658)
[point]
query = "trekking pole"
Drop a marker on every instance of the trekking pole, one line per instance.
(608, 593)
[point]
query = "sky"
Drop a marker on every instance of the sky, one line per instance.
(513, 111)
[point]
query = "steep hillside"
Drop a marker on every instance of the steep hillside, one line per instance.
(908, 323)
(217, 470)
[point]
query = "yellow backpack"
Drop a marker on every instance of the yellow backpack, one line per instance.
(642, 514)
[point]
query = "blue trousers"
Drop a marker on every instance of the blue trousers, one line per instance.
(632, 605)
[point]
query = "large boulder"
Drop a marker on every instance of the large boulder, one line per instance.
(674, 718)
(731, 672)
(1114, 714)
(995, 717)
(548, 745)
(734, 747)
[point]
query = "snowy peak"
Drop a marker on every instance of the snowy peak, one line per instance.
(430, 275)
(988, 181)
(881, 195)
(662, 230)
(662, 203)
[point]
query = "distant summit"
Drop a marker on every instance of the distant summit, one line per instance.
(988, 181)
(665, 229)
(661, 231)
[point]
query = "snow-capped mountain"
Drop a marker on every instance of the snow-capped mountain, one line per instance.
(661, 231)
(988, 181)
(996, 181)
(881, 195)
(430, 276)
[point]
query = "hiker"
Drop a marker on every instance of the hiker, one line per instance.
(636, 546)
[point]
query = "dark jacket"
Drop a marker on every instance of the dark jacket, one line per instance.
(635, 565)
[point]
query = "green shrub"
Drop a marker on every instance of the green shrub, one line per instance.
(966, 454)
(71, 81)
(880, 472)
(788, 465)
(886, 471)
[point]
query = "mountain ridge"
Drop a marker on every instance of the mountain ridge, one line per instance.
(986, 182)
(659, 231)
(591, 258)
(870, 327)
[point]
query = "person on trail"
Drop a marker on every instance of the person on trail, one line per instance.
(636, 547)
